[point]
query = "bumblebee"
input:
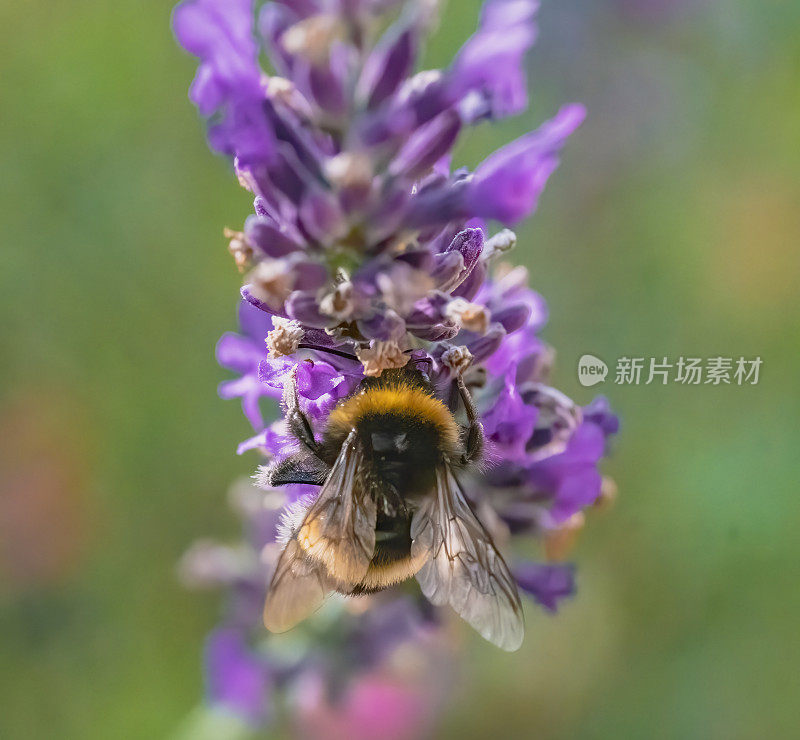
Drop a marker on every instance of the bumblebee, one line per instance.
(390, 508)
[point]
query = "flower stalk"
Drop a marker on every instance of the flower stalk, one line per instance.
(367, 249)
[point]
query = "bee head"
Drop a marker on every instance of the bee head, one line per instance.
(391, 444)
(402, 452)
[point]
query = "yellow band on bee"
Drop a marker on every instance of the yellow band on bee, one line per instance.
(400, 399)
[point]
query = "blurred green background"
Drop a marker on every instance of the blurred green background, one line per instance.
(672, 228)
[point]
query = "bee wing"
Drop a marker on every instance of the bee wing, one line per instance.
(338, 530)
(297, 590)
(333, 545)
(464, 569)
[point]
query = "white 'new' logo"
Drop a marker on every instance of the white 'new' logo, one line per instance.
(591, 370)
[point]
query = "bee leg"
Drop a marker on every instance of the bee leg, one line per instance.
(473, 447)
(298, 422)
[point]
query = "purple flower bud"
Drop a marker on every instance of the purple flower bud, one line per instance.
(308, 275)
(512, 317)
(325, 87)
(426, 146)
(419, 259)
(263, 233)
(256, 302)
(388, 215)
(289, 174)
(448, 269)
(387, 66)
(469, 244)
(305, 308)
(483, 347)
(439, 332)
(429, 310)
(472, 283)
(321, 216)
(254, 323)
(290, 129)
(385, 325)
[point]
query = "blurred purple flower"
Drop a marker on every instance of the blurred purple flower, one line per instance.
(546, 583)
(236, 679)
(373, 706)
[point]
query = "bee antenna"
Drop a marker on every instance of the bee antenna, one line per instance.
(329, 350)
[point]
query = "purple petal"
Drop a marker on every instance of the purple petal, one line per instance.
(507, 185)
(511, 301)
(428, 311)
(274, 372)
(309, 275)
(254, 322)
(324, 86)
(290, 174)
(419, 259)
(228, 81)
(522, 350)
(256, 303)
(238, 353)
(509, 422)
(599, 412)
(320, 384)
(440, 332)
(491, 63)
(290, 128)
(571, 477)
(274, 440)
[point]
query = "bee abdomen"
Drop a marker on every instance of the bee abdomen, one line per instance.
(392, 561)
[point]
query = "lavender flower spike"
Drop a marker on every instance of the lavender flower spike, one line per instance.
(365, 253)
